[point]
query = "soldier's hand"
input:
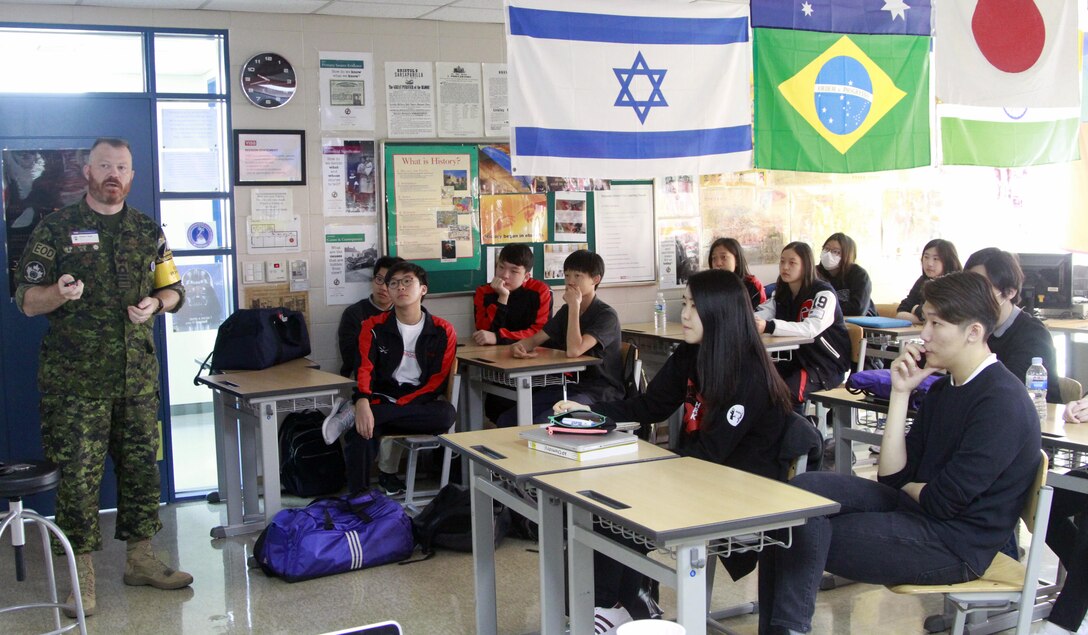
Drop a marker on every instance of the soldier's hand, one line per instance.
(69, 287)
(143, 311)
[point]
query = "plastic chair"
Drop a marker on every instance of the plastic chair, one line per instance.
(1070, 389)
(887, 310)
(416, 443)
(1006, 582)
(858, 345)
(21, 479)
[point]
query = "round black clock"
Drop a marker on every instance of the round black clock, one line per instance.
(268, 80)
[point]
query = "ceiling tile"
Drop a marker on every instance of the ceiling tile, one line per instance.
(266, 6)
(143, 4)
(375, 9)
(453, 14)
(478, 4)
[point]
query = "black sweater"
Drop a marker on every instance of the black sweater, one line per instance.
(914, 296)
(854, 290)
(976, 447)
(1027, 338)
(745, 434)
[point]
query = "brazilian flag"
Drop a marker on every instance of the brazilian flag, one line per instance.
(835, 102)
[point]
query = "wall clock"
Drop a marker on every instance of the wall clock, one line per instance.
(268, 80)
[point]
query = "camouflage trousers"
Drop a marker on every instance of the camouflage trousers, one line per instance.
(77, 433)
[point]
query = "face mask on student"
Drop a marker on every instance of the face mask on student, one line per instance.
(830, 260)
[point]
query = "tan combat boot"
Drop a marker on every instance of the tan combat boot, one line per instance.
(143, 568)
(85, 573)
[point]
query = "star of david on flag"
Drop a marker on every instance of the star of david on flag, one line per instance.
(834, 92)
(628, 90)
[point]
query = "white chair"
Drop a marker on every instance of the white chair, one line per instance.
(1007, 583)
(416, 443)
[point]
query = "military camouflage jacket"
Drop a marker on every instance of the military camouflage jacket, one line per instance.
(92, 349)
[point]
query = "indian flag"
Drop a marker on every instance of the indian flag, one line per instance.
(1008, 137)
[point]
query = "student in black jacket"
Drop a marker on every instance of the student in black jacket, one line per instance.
(1018, 336)
(804, 305)
(735, 409)
(838, 265)
(728, 255)
(948, 492)
(939, 257)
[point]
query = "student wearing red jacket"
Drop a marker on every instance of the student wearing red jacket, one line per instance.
(514, 305)
(406, 358)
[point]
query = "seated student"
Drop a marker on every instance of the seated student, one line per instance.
(804, 305)
(949, 491)
(1018, 336)
(584, 325)
(1067, 537)
(938, 258)
(727, 254)
(735, 411)
(852, 284)
(514, 305)
(406, 357)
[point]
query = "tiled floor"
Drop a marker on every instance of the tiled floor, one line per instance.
(431, 597)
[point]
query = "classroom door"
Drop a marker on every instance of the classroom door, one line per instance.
(52, 125)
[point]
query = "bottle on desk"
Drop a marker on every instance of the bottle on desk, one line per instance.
(1036, 381)
(659, 312)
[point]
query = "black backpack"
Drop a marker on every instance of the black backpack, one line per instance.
(446, 522)
(308, 467)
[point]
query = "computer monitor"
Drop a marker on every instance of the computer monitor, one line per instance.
(1048, 281)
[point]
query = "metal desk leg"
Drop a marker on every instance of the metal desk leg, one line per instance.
(580, 570)
(270, 455)
(691, 587)
(249, 436)
(843, 447)
(525, 401)
(550, 542)
(475, 400)
(483, 556)
(220, 420)
(232, 471)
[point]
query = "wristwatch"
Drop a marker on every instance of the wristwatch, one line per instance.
(161, 305)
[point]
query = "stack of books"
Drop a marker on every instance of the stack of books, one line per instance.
(581, 447)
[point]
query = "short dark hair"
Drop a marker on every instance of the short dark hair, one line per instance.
(1002, 268)
(962, 298)
(732, 245)
(587, 262)
(386, 262)
(113, 142)
(518, 254)
(946, 251)
(405, 266)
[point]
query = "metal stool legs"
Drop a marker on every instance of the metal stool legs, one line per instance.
(14, 520)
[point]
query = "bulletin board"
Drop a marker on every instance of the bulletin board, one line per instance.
(554, 216)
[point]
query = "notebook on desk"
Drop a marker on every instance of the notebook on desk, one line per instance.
(578, 442)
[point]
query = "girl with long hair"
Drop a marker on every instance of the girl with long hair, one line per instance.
(838, 265)
(939, 258)
(727, 254)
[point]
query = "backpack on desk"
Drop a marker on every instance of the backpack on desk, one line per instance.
(334, 535)
(254, 339)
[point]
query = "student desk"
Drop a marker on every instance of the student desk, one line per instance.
(247, 407)
(1067, 329)
(659, 344)
(843, 404)
(1068, 446)
(688, 508)
(879, 338)
(501, 465)
(492, 369)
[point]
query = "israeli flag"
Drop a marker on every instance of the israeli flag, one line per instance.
(628, 90)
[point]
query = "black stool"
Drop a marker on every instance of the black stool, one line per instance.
(21, 479)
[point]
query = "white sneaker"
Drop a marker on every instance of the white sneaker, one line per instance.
(607, 621)
(1083, 630)
(1047, 628)
(341, 418)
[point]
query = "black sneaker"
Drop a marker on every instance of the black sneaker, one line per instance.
(390, 484)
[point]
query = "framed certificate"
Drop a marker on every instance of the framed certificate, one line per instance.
(269, 157)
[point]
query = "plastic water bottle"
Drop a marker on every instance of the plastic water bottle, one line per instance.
(1035, 379)
(659, 312)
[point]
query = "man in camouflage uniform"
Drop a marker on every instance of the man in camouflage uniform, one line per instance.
(100, 271)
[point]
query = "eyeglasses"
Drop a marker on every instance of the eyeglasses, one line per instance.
(379, 280)
(400, 283)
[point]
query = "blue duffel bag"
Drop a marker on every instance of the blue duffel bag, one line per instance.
(334, 535)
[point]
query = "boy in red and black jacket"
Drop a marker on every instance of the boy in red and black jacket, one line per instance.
(406, 358)
(514, 305)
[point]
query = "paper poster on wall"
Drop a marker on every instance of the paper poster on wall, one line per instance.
(496, 108)
(459, 108)
(272, 236)
(205, 298)
(677, 197)
(434, 208)
(570, 217)
(513, 218)
(349, 177)
(554, 256)
(270, 296)
(189, 149)
(759, 218)
(624, 232)
(271, 204)
(346, 86)
(678, 245)
(350, 254)
(495, 175)
(409, 100)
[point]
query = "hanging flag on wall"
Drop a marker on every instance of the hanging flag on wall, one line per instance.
(841, 87)
(628, 90)
(1008, 88)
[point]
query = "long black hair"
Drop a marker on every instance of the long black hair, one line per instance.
(731, 347)
(849, 250)
(808, 271)
(946, 251)
(732, 246)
